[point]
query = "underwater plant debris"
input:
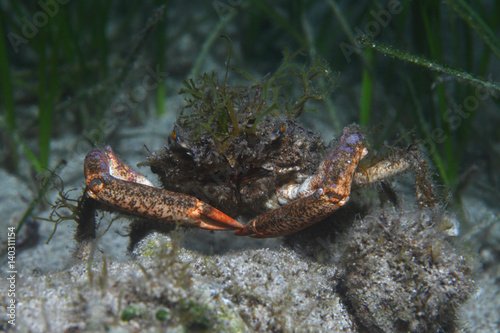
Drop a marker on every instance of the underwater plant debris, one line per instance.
(401, 273)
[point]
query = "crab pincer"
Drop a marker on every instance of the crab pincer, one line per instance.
(116, 184)
(318, 197)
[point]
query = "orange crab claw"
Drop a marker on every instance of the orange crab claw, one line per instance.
(116, 184)
(213, 219)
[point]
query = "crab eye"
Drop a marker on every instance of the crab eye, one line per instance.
(179, 140)
(275, 135)
(281, 129)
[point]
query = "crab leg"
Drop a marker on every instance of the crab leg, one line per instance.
(402, 161)
(116, 184)
(324, 193)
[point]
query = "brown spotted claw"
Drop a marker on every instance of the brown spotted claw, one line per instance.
(116, 184)
(317, 197)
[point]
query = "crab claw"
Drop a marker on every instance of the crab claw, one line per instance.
(116, 184)
(293, 216)
(318, 197)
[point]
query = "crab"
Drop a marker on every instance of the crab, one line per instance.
(238, 152)
(300, 203)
